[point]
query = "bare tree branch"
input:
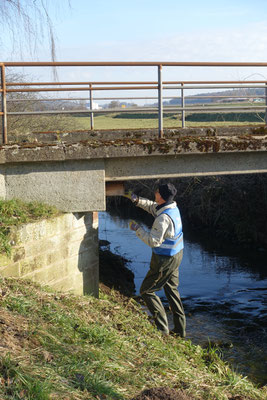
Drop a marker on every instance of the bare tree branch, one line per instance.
(27, 23)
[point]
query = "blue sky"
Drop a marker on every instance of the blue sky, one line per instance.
(156, 30)
(166, 29)
(132, 20)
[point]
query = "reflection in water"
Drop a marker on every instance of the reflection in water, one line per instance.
(223, 292)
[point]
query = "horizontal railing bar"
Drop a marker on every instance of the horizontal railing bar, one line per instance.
(97, 98)
(225, 97)
(138, 98)
(58, 99)
(67, 89)
(133, 64)
(129, 83)
(85, 83)
(216, 87)
(80, 111)
(141, 109)
(174, 97)
(73, 89)
(208, 108)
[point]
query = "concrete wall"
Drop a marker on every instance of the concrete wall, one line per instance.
(61, 252)
(69, 186)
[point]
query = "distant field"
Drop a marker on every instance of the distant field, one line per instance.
(62, 123)
(137, 121)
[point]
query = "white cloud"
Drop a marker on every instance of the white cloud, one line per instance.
(248, 44)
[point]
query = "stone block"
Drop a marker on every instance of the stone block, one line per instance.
(56, 256)
(72, 284)
(53, 226)
(46, 245)
(74, 249)
(29, 265)
(10, 270)
(80, 246)
(4, 260)
(75, 235)
(32, 231)
(60, 224)
(2, 183)
(79, 220)
(49, 274)
(18, 253)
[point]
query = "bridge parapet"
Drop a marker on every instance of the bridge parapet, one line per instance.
(129, 143)
(183, 101)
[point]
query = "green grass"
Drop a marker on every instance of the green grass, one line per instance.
(146, 121)
(15, 212)
(69, 123)
(61, 346)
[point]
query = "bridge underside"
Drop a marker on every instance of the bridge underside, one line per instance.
(176, 166)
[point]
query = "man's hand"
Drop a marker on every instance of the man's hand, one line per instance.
(131, 196)
(134, 225)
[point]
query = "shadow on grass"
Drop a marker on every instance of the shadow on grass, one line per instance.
(233, 117)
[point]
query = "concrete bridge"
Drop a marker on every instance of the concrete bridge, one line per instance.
(76, 171)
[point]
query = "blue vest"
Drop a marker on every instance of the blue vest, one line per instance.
(172, 246)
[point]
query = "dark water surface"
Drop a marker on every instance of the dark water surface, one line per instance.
(223, 288)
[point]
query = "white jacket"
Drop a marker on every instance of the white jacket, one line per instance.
(162, 228)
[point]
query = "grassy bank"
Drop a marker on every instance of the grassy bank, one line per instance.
(61, 346)
(15, 212)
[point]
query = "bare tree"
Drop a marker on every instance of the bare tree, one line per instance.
(27, 22)
(24, 125)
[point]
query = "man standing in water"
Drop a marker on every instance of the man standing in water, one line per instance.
(166, 240)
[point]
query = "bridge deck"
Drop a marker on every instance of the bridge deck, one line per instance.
(49, 146)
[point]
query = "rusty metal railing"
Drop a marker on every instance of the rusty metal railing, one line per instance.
(160, 86)
(4, 104)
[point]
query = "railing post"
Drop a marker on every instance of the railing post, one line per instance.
(160, 105)
(183, 105)
(4, 109)
(265, 115)
(91, 107)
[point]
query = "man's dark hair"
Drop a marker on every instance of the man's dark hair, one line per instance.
(167, 191)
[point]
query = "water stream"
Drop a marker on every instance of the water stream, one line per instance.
(223, 289)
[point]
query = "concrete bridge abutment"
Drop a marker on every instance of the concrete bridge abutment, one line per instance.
(61, 252)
